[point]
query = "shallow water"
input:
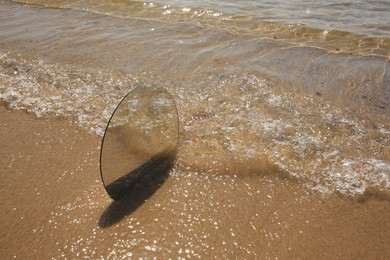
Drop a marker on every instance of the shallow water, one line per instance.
(248, 102)
(267, 97)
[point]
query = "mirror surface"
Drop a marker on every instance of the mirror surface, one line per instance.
(140, 140)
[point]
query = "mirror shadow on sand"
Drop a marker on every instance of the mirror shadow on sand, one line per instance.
(132, 190)
(138, 150)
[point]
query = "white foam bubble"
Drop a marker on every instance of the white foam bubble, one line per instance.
(329, 148)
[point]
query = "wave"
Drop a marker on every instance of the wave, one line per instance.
(239, 110)
(236, 124)
(332, 39)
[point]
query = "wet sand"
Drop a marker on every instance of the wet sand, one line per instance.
(54, 205)
(75, 69)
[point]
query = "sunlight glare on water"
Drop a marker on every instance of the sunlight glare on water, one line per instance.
(284, 122)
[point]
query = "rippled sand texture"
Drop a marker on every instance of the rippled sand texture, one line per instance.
(284, 136)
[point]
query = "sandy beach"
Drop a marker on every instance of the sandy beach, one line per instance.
(283, 142)
(54, 205)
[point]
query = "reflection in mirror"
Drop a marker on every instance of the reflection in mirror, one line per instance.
(141, 138)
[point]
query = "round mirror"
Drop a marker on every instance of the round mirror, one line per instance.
(140, 140)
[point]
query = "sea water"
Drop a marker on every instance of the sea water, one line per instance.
(297, 89)
(303, 85)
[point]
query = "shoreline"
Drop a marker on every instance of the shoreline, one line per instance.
(252, 109)
(53, 200)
